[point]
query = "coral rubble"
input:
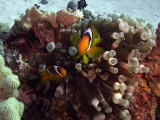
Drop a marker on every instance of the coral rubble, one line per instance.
(102, 89)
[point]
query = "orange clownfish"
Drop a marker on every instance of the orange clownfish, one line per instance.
(86, 45)
(53, 73)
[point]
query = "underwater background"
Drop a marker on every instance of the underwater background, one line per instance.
(79, 60)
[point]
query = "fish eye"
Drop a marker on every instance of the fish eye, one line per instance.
(59, 69)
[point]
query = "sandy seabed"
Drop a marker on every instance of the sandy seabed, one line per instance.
(149, 10)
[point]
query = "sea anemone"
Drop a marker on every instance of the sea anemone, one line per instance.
(104, 88)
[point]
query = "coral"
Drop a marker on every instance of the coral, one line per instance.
(68, 19)
(1, 48)
(158, 110)
(1, 61)
(35, 16)
(8, 82)
(4, 31)
(4, 28)
(158, 35)
(145, 105)
(87, 13)
(71, 5)
(11, 109)
(153, 63)
(26, 96)
(102, 89)
(42, 25)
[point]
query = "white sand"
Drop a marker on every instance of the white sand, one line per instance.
(146, 9)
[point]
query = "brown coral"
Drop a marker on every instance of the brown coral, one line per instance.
(34, 16)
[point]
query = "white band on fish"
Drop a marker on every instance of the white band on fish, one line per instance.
(55, 68)
(89, 31)
(50, 73)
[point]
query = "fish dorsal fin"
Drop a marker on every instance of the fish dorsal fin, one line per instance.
(56, 69)
(96, 37)
(75, 39)
(95, 32)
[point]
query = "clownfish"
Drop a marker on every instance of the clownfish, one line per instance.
(86, 45)
(53, 73)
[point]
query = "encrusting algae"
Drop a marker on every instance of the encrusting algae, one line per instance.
(103, 83)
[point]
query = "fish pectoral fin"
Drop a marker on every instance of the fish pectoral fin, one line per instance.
(43, 80)
(77, 57)
(95, 32)
(75, 39)
(95, 52)
(96, 41)
(85, 59)
(57, 80)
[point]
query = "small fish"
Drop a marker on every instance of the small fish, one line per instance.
(53, 73)
(37, 6)
(87, 44)
(82, 4)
